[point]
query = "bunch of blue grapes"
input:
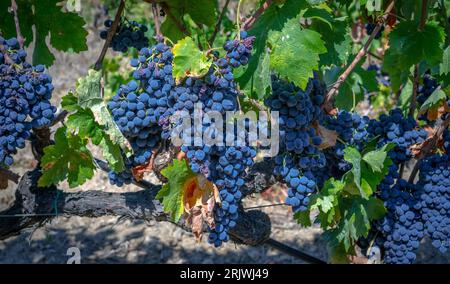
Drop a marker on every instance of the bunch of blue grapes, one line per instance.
(25, 93)
(239, 50)
(228, 175)
(434, 185)
(300, 162)
(370, 27)
(397, 129)
(352, 131)
(301, 183)
(128, 34)
(224, 164)
(401, 228)
(139, 105)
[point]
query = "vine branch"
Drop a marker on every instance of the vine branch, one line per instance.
(327, 106)
(413, 104)
(6, 175)
(251, 21)
(430, 145)
(218, 24)
(423, 19)
(177, 22)
(35, 205)
(14, 9)
(156, 19)
(109, 37)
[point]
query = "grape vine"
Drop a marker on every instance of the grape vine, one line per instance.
(358, 96)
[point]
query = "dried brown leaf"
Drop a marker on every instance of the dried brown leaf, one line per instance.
(329, 137)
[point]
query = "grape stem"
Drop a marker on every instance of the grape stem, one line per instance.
(218, 24)
(238, 19)
(8, 175)
(257, 104)
(61, 116)
(413, 104)
(109, 37)
(156, 19)
(166, 10)
(14, 9)
(423, 19)
(251, 21)
(429, 145)
(328, 106)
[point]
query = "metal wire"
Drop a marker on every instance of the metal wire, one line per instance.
(294, 252)
(264, 206)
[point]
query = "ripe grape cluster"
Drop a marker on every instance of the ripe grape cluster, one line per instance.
(434, 184)
(401, 228)
(228, 176)
(152, 108)
(25, 93)
(138, 106)
(352, 130)
(224, 165)
(397, 129)
(128, 34)
(299, 155)
(239, 50)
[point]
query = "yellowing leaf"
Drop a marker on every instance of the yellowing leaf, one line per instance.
(189, 60)
(184, 190)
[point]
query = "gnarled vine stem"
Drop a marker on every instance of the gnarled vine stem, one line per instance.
(328, 105)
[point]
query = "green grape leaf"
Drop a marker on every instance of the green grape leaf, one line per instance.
(343, 234)
(406, 95)
(351, 91)
(338, 254)
(172, 193)
(83, 123)
(375, 208)
(355, 222)
(376, 159)
(352, 156)
(69, 102)
(327, 201)
(189, 60)
(202, 13)
(433, 100)
(444, 68)
(335, 33)
(67, 159)
(319, 14)
(273, 19)
(89, 96)
(287, 44)
(65, 30)
(260, 84)
(409, 46)
(170, 29)
(89, 89)
(303, 218)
